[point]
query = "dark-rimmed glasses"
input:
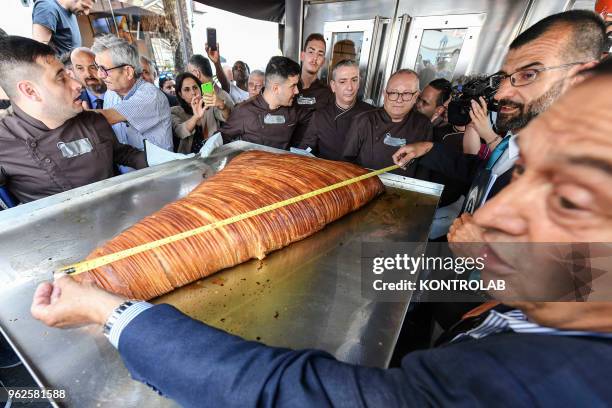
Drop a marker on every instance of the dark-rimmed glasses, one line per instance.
(104, 71)
(405, 96)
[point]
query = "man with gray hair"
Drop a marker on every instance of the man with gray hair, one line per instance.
(255, 83)
(149, 71)
(136, 109)
(330, 124)
(375, 134)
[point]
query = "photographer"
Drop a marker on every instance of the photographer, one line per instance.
(198, 116)
(479, 138)
(542, 63)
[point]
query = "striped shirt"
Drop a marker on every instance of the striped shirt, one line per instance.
(147, 112)
(516, 321)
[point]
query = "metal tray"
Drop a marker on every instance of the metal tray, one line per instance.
(307, 295)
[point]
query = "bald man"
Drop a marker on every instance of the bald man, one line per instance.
(375, 135)
(86, 73)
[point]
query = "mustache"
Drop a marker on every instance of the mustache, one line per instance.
(510, 104)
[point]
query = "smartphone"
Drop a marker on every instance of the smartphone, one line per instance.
(211, 38)
(207, 88)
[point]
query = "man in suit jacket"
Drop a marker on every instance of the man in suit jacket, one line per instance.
(86, 72)
(529, 353)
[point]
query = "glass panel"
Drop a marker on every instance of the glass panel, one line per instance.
(438, 54)
(345, 46)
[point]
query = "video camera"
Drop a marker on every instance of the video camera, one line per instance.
(461, 99)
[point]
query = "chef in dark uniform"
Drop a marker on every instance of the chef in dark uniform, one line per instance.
(313, 93)
(330, 124)
(49, 145)
(377, 133)
(270, 118)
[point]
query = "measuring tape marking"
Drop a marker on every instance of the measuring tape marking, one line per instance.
(88, 265)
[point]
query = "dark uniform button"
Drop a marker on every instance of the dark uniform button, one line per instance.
(33, 144)
(47, 160)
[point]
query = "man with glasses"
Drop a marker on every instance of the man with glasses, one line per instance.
(255, 83)
(135, 108)
(542, 63)
(86, 72)
(375, 135)
(49, 145)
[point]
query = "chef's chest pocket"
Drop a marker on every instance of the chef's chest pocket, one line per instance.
(86, 148)
(271, 125)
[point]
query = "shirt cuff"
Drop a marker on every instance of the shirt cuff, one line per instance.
(124, 319)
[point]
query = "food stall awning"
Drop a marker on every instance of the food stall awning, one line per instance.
(270, 10)
(127, 7)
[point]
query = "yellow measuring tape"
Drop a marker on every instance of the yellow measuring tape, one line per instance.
(85, 266)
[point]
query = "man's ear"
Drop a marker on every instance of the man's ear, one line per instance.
(28, 90)
(439, 111)
(332, 85)
(302, 55)
(578, 73)
(131, 71)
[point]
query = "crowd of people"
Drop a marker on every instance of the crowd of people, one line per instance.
(85, 118)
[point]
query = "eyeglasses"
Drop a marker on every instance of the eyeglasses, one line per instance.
(525, 76)
(104, 71)
(405, 96)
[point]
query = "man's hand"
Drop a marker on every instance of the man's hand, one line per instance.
(465, 231)
(214, 56)
(411, 151)
(67, 303)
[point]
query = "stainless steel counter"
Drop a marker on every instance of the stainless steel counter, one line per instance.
(307, 295)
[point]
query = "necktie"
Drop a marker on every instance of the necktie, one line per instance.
(99, 103)
(497, 152)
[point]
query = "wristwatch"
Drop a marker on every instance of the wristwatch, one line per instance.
(115, 315)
